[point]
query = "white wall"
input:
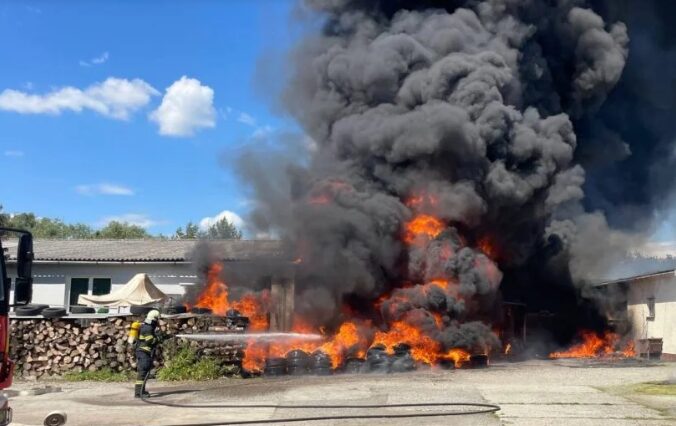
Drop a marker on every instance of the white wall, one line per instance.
(663, 289)
(52, 281)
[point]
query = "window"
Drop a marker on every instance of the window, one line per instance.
(91, 286)
(78, 286)
(100, 286)
(651, 309)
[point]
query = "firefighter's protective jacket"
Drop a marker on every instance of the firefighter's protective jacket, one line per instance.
(147, 338)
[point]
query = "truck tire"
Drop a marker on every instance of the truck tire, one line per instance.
(54, 312)
(27, 311)
(37, 306)
(82, 310)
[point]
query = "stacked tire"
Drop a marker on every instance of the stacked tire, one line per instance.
(275, 367)
(297, 362)
(320, 364)
(377, 360)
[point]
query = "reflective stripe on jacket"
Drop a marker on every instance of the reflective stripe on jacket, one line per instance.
(147, 338)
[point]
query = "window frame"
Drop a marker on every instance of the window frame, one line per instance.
(90, 287)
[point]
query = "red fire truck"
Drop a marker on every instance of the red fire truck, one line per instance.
(23, 292)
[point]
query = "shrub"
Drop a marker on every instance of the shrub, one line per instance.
(186, 364)
(103, 375)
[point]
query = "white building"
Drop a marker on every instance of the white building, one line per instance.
(651, 310)
(64, 269)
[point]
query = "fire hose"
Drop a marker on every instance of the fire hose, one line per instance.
(478, 408)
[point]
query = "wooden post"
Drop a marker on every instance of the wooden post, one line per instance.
(282, 291)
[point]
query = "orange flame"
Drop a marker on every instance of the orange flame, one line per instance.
(347, 339)
(423, 224)
(593, 346)
(215, 296)
(458, 356)
(423, 348)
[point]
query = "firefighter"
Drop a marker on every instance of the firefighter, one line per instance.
(145, 346)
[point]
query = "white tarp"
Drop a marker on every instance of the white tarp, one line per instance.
(138, 291)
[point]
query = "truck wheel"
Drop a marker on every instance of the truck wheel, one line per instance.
(55, 418)
(54, 313)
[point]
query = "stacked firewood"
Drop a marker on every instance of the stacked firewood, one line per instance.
(51, 347)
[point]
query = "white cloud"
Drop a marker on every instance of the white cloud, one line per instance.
(262, 132)
(187, 106)
(115, 98)
(246, 119)
(98, 60)
(13, 153)
(659, 249)
(232, 217)
(104, 189)
(142, 220)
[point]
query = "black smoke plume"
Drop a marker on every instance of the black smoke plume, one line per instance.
(513, 122)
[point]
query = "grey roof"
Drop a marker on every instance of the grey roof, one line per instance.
(636, 278)
(147, 250)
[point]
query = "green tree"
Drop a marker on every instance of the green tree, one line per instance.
(223, 229)
(192, 231)
(121, 230)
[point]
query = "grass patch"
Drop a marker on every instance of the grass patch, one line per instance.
(185, 364)
(103, 375)
(655, 389)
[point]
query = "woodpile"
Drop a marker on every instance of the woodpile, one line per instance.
(51, 347)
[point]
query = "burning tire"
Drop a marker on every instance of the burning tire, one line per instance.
(275, 367)
(402, 360)
(297, 362)
(320, 364)
(54, 312)
(201, 311)
(478, 361)
(354, 366)
(377, 360)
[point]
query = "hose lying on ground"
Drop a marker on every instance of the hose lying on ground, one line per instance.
(479, 409)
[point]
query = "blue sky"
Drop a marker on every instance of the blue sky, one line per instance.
(89, 130)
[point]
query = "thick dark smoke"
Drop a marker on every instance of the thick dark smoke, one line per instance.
(510, 120)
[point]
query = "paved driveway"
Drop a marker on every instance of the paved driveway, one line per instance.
(529, 393)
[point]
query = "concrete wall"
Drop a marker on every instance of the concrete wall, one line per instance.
(52, 281)
(663, 326)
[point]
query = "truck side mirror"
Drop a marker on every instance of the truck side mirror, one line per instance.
(23, 289)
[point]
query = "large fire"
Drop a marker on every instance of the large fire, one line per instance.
(595, 345)
(398, 317)
(355, 335)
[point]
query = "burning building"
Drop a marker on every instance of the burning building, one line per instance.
(450, 162)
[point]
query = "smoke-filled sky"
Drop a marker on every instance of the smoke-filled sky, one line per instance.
(102, 159)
